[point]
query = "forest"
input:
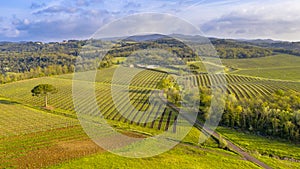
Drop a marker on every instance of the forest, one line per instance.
(274, 116)
(24, 60)
(233, 50)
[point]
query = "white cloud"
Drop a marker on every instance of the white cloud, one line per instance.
(277, 19)
(9, 32)
(58, 19)
(26, 21)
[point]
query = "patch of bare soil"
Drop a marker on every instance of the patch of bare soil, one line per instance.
(61, 151)
(58, 153)
(48, 108)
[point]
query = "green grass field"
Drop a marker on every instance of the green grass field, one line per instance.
(181, 156)
(271, 151)
(280, 60)
(284, 67)
(284, 73)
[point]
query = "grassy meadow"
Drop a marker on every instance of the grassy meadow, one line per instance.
(182, 156)
(276, 153)
(280, 66)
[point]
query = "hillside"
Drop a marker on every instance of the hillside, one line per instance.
(281, 66)
(141, 95)
(25, 57)
(62, 128)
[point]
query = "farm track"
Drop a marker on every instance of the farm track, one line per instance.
(200, 126)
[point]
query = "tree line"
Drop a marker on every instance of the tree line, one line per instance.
(275, 116)
(229, 49)
(23, 56)
(36, 72)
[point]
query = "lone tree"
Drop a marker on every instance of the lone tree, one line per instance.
(43, 90)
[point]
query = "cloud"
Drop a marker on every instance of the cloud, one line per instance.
(57, 9)
(58, 21)
(237, 25)
(65, 19)
(9, 32)
(146, 23)
(132, 5)
(96, 1)
(222, 18)
(79, 26)
(35, 5)
(279, 20)
(83, 3)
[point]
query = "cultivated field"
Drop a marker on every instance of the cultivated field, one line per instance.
(140, 90)
(281, 66)
(34, 137)
(18, 119)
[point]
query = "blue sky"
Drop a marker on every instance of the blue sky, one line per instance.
(56, 20)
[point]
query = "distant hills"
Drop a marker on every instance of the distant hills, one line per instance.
(276, 46)
(24, 56)
(264, 43)
(263, 46)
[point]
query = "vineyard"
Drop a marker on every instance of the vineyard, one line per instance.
(17, 119)
(23, 115)
(140, 89)
(143, 84)
(243, 86)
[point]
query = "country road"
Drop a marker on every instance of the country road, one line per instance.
(232, 146)
(199, 125)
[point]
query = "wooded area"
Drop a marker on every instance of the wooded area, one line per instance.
(277, 115)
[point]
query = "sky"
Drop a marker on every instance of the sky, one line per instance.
(57, 20)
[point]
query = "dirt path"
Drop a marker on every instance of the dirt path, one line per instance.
(233, 147)
(199, 125)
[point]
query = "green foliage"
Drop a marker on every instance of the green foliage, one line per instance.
(22, 57)
(277, 116)
(231, 50)
(239, 113)
(36, 72)
(170, 45)
(171, 89)
(44, 90)
(222, 143)
(205, 101)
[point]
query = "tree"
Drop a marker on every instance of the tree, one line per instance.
(171, 89)
(43, 90)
